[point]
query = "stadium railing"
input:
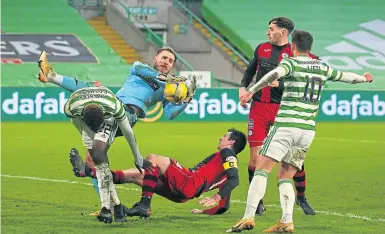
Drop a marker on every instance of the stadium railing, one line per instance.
(98, 4)
(151, 36)
(213, 34)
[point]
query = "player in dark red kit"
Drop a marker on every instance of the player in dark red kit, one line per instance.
(178, 184)
(181, 184)
(266, 102)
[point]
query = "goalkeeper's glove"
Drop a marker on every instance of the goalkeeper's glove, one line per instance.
(171, 78)
(192, 86)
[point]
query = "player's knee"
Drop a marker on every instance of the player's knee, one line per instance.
(152, 157)
(252, 163)
(254, 156)
(99, 154)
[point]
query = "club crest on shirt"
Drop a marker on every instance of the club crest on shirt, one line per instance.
(231, 159)
(284, 55)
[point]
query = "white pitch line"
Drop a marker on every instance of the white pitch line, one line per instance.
(61, 181)
(347, 215)
(348, 140)
(330, 213)
(316, 138)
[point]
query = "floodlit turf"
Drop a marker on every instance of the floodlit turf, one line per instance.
(345, 178)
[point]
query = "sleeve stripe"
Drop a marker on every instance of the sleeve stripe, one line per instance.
(286, 67)
(339, 75)
(289, 65)
(120, 112)
(329, 73)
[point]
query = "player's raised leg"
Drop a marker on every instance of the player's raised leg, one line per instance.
(82, 169)
(47, 74)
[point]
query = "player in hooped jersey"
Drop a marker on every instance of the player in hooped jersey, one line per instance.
(179, 184)
(90, 110)
(294, 127)
(266, 101)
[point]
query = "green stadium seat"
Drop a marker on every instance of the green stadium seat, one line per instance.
(57, 17)
(245, 23)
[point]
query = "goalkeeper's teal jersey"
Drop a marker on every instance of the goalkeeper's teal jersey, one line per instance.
(105, 98)
(302, 91)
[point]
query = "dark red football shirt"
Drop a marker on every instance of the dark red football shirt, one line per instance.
(266, 58)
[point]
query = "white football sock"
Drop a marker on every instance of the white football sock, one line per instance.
(104, 176)
(256, 192)
(55, 78)
(287, 198)
(113, 193)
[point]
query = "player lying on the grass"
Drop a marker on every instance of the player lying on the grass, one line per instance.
(186, 184)
(294, 127)
(179, 184)
(143, 88)
(92, 110)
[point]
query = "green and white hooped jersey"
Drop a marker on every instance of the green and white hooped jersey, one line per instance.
(105, 98)
(303, 84)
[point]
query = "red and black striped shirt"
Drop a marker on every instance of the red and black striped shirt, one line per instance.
(266, 58)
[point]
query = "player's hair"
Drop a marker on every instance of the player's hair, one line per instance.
(283, 22)
(93, 116)
(303, 40)
(239, 138)
(169, 50)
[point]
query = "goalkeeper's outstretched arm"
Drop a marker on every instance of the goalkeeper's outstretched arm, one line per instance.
(143, 70)
(172, 110)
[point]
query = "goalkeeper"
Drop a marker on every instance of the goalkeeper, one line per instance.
(143, 88)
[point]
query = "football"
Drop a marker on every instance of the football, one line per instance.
(175, 92)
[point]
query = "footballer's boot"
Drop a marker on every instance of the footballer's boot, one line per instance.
(243, 224)
(119, 214)
(280, 228)
(138, 210)
(96, 213)
(260, 208)
(46, 72)
(306, 207)
(78, 166)
(105, 215)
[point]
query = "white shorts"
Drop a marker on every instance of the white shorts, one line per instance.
(287, 144)
(106, 133)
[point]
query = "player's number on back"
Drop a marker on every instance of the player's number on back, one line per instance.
(309, 94)
(106, 128)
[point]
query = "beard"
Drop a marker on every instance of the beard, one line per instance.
(157, 67)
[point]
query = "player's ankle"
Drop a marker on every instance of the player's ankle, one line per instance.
(300, 197)
(55, 78)
(89, 172)
(145, 201)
